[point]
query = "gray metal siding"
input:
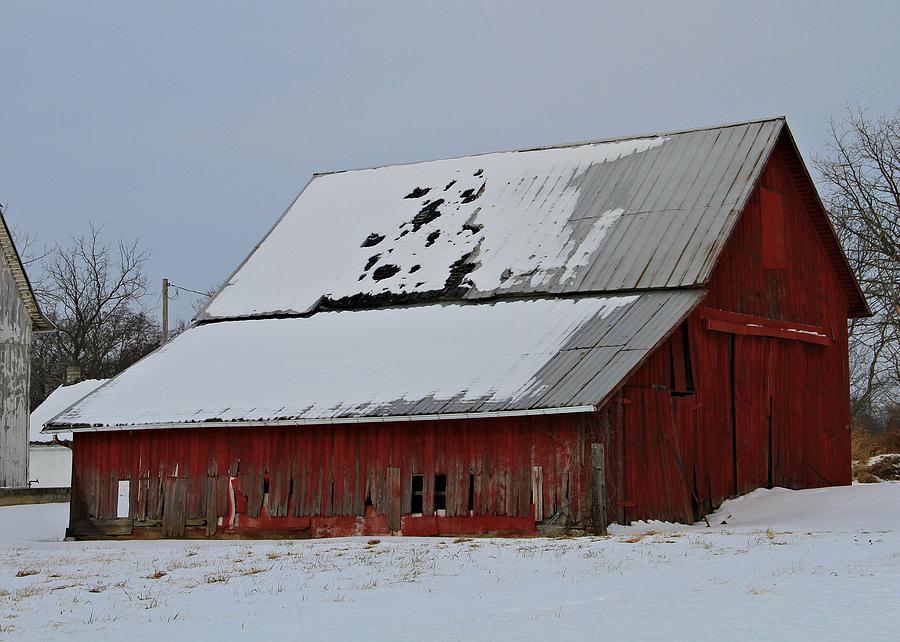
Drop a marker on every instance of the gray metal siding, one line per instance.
(15, 340)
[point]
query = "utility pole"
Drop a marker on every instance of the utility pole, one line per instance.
(164, 335)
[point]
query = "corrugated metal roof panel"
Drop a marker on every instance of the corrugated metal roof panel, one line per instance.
(628, 337)
(640, 213)
(420, 360)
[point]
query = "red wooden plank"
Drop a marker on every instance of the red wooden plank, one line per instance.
(760, 331)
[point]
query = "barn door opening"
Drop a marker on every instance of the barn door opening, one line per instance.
(751, 412)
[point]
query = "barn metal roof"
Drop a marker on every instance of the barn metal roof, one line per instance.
(40, 323)
(427, 361)
(638, 213)
(523, 282)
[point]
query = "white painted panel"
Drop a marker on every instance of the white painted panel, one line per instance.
(123, 504)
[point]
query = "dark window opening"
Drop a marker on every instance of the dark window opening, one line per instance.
(688, 367)
(681, 373)
(440, 492)
(418, 495)
(471, 504)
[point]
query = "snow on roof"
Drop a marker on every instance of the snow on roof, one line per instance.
(518, 355)
(647, 212)
(510, 282)
(55, 403)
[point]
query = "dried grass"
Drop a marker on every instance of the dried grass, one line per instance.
(253, 570)
(864, 446)
(634, 539)
(215, 578)
(29, 591)
(886, 468)
(863, 476)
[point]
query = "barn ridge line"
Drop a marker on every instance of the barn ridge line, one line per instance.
(538, 148)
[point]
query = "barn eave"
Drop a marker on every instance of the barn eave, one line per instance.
(40, 323)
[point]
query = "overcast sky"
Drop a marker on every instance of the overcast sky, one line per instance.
(193, 125)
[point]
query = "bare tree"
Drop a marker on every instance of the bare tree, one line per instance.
(861, 176)
(93, 291)
(27, 246)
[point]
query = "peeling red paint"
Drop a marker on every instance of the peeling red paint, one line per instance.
(333, 480)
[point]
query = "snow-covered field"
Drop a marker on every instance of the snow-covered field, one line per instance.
(800, 565)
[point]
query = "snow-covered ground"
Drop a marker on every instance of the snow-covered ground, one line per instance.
(818, 564)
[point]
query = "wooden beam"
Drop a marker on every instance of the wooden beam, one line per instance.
(211, 505)
(95, 527)
(598, 489)
(537, 492)
(746, 324)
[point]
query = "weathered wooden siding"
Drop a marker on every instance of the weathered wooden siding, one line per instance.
(765, 410)
(324, 480)
(15, 339)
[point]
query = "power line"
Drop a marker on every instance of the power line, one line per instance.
(178, 287)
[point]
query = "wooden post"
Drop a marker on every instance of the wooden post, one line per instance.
(164, 335)
(537, 492)
(598, 489)
(394, 497)
(212, 514)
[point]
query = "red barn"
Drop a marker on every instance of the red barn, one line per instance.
(608, 331)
